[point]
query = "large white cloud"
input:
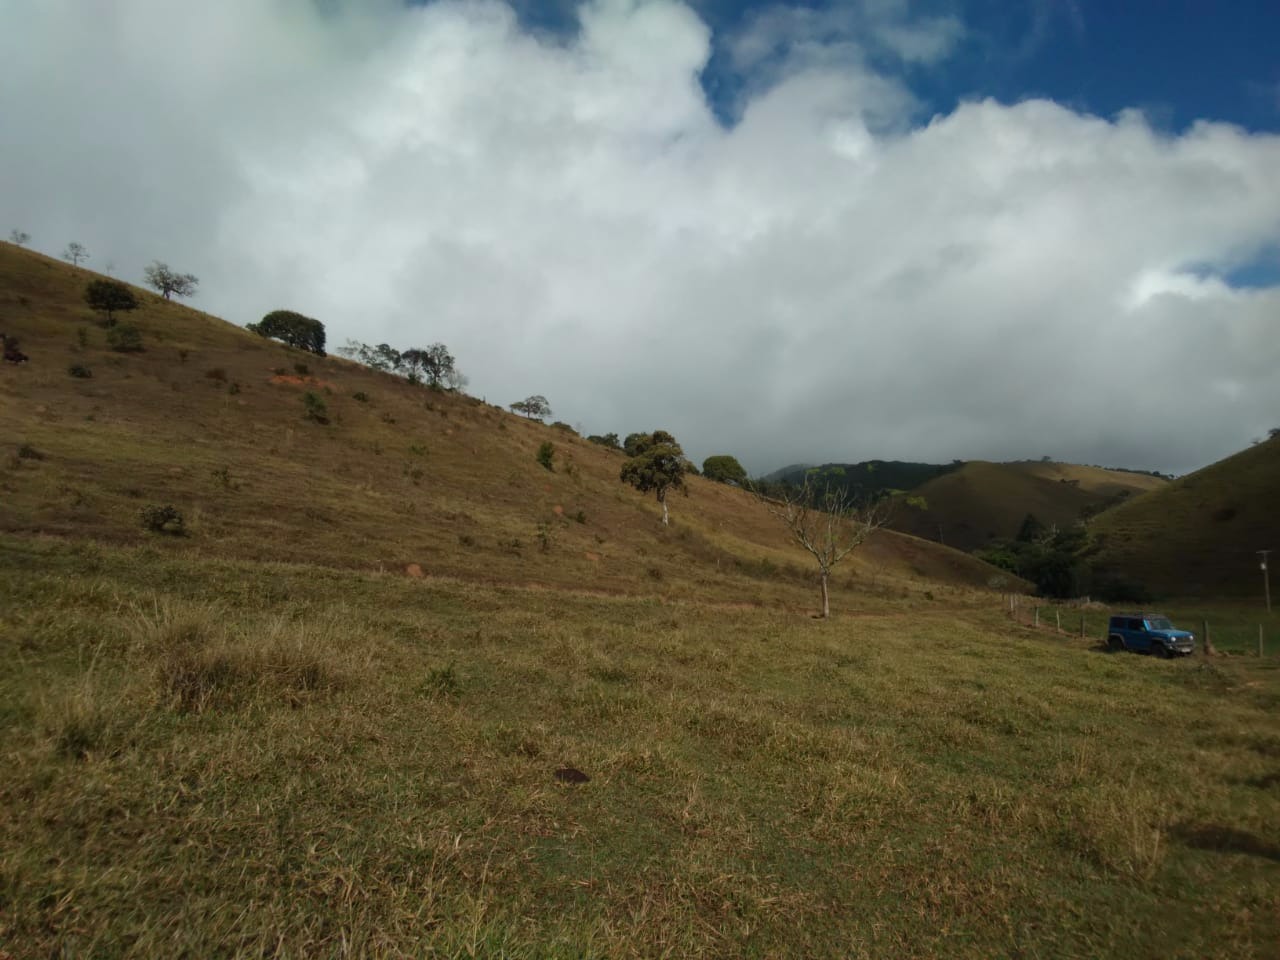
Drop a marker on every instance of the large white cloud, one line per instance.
(825, 279)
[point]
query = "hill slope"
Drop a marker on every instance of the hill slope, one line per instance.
(210, 418)
(981, 501)
(1197, 536)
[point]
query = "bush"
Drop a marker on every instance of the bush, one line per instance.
(162, 519)
(724, 469)
(315, 407)
(79, 371)
(545, 454)
(292, 328)
(28, 452)
(561, 425)
(125, 338)
(301, 369)
(361, 396)
(108, 296)
(217, 373)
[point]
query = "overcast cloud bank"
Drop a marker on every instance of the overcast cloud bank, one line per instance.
(830, 278)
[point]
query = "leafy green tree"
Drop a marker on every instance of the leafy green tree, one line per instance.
(292, 328)
(109, 296)
(434, 364)
(168, 282)
(828, 522)
(1031, 530)
(657, 463)
(535, 407)
(724, 469)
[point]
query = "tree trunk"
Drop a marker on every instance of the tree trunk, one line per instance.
(665, 521)
(826, 599)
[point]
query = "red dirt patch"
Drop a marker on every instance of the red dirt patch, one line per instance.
(593, 556)
(558, 510)
(413, 570)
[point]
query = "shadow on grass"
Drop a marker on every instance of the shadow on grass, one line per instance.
(1220, 839)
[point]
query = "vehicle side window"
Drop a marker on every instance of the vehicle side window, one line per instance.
(1135, 625)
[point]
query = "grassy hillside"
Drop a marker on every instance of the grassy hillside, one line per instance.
(210, 418)
(402, 692)
(981, 501)
(1198, 535)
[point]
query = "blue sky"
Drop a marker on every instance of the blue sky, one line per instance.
(828, 232)
(1177, 60)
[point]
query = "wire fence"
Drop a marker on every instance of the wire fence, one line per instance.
(1220, 627)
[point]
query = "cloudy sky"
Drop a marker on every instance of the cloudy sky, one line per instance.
(791, 232)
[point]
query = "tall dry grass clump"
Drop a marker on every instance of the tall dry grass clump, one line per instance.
(205, 657)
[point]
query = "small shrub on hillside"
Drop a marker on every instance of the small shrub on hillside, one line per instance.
(217, 373)
(301, 369)
(561, 425)
(28, 452)
(545, 537)
(315, 408)
(466, 540)
(278, 371)
(183, 353)
(82, 337)
(162, 518)
(361, 396)
(233, 389)
(580, 516)
(388, 418)
(545, 454)
(125, 338)
(79, 371)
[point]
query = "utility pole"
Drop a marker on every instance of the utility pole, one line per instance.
(1266, 578)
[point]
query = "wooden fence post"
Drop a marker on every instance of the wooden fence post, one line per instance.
(1082, 626)
(1037, 620)
(1057, 618)
(1259, 640)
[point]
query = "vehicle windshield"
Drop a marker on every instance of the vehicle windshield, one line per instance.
(1159, 623)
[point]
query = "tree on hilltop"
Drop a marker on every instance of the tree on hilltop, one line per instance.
(724, 469)
(535, 407)
(296, 330)
(168, 282)
(109, 296)
(434, 364)
(656, 463)
(19, 237)
(75, 254)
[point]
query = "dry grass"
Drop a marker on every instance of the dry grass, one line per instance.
(222, 758)
(983, 501)
(1198, 535)
(404, 476)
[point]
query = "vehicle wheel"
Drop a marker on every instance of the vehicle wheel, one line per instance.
(1115, 644)
(1160, 650)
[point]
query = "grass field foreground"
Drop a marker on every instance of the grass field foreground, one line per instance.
(221, 758)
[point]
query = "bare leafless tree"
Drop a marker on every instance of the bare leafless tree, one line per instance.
(830, 523)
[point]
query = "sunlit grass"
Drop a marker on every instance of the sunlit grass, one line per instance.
(226, 758)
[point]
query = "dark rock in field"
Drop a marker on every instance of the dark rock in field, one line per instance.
(571, 775)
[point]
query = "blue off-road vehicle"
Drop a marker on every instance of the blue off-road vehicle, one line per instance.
(1149, 633)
